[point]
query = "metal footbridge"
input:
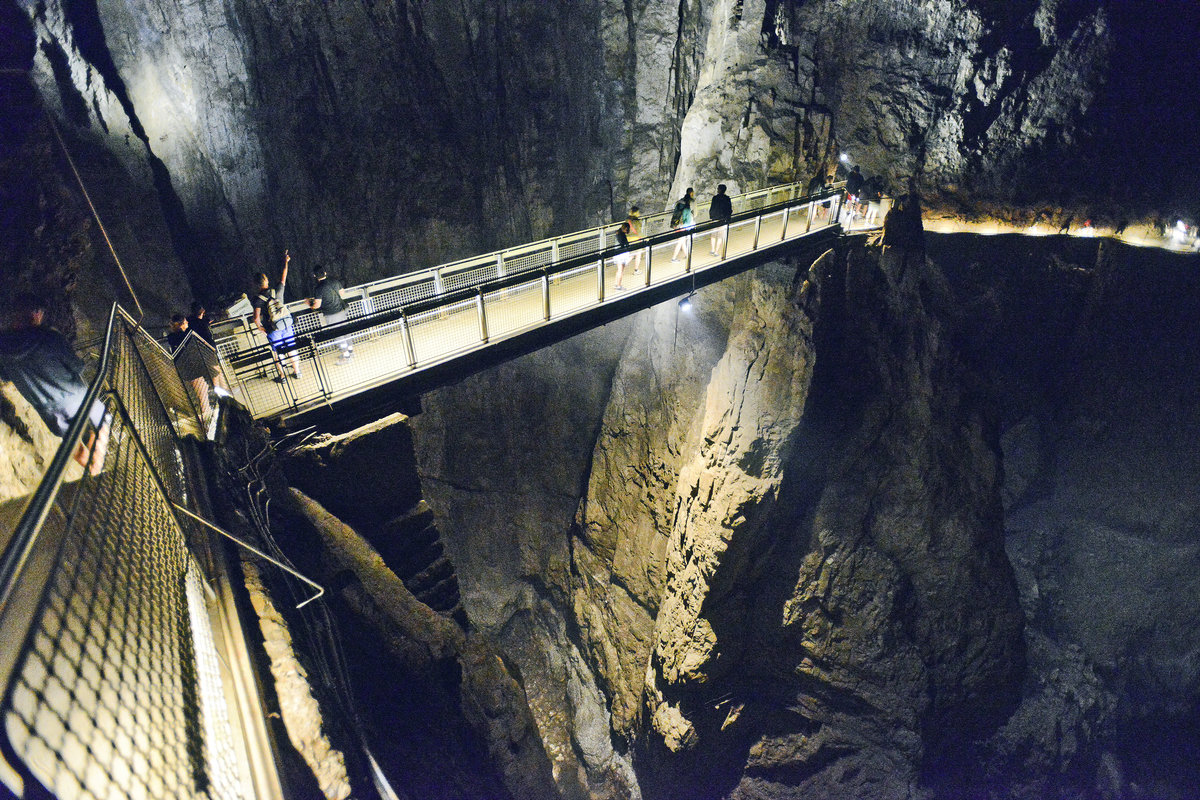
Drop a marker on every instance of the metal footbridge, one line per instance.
(124, 665)
(422, 329)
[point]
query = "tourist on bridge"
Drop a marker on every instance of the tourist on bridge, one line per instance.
(719, 210)
(328, 299)
(635, 232)
(622, 258)
(854, 192)
(273, 319)
(38, 360)
(190, 372)
(682, 219)
(198, 323)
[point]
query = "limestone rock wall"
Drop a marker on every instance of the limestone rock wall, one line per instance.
(780, 578)
(376, 140)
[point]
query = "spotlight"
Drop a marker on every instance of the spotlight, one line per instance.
(686, 303)
(845, 158)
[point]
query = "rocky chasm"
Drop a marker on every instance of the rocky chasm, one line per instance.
(827, 536)
(868, 529)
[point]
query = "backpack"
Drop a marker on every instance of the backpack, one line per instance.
(677, 214)
(276, 310)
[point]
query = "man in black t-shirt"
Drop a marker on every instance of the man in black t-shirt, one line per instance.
(720, 209)
(328, 299)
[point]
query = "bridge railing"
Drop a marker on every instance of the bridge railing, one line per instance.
(404, 336)
(111, 686)
(203, 376)
(237, 333)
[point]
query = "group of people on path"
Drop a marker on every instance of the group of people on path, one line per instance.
(272, 317)
(682, 218)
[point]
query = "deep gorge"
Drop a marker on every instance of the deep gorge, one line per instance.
(880, 522)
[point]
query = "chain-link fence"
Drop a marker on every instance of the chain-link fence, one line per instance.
(202, 375)
(102, 695)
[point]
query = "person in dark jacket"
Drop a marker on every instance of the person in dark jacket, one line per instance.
(721, 208)
(198, 322)
(39, 361)
(178, 332)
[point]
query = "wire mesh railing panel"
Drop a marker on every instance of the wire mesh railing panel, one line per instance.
(444, 331)
(202, 375)
(473, 275)
(153, 408)
(525, 261)
(306, 321)
(397, 296)
(102, 701)
(573, 290)
(514, 308)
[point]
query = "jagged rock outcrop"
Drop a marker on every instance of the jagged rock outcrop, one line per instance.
(773, 599)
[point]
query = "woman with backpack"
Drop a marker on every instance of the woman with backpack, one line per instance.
(682, 219)
(273, 318)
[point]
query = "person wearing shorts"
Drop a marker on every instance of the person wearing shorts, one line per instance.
(278, 328)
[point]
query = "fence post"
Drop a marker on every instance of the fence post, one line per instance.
(812, 207)
(438, 286)
(600, 280)
(546, 296)
(787, 214)
(690, 248)
(649, 259)
(757, 230)
(838, 215)
(409, 351)
(500, 264)
(483, 332)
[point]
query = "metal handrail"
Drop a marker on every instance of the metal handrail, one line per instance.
(250, 365)
(439, 277)
(25, 535)
(115, 545)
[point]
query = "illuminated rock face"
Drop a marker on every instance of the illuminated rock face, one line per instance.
(375, 141)
(780, 580)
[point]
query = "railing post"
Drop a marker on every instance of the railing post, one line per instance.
(812, 207)
(554, 252)
(438, 286)
(500, 264)
(838, 215)
(483, 332)
(757, 230)
(546, 296)
(410, 352)
(787, 214)
(725, 242)
(691, 246)
(319, 369)
(649, 260)
(600, 280)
